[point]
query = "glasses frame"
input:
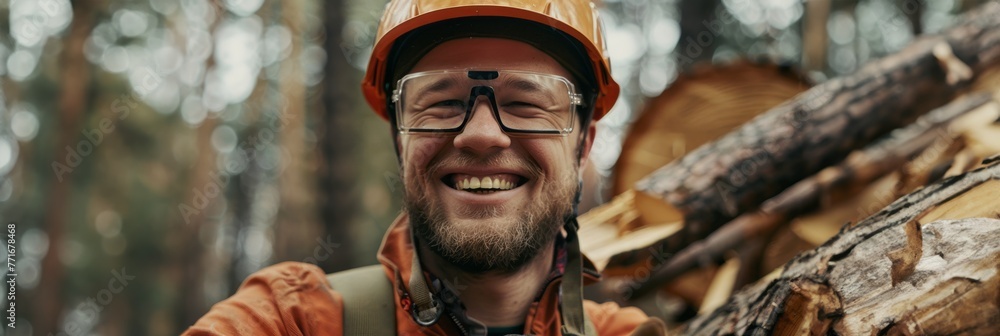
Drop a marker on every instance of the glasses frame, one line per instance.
(575, 100)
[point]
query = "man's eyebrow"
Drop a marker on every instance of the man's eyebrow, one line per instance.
(522, 84)
(441, 84)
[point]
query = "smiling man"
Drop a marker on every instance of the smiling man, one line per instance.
(492, 106)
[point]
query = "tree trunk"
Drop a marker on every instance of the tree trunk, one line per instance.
(716, 182)
(190, 263)
(338, 138)
(73, 100)
(914, 12)
(926, 264)
(297, 224)
(814, 35)
(698, 40)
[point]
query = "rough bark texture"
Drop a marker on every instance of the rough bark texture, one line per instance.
(860, 168)
(926, 264)
(821, 126)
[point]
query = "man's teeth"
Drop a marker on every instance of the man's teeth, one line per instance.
(484, 183)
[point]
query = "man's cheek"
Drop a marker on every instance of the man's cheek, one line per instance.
(421, 150)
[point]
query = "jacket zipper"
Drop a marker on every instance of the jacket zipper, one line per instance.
(459, 324)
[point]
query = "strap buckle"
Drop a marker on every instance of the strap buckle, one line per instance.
(429, 316)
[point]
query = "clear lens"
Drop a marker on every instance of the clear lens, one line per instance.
(527, 102)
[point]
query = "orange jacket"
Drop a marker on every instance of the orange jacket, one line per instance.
(294, 298)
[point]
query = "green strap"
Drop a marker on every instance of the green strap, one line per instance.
(369, 307)
(426, 308)
(575, 320)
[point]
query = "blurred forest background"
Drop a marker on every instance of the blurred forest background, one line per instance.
(176, 146)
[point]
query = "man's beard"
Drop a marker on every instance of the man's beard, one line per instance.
(502, 245)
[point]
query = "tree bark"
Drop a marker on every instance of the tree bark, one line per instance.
(700, 106)
(859, 169)
(926, 264)
(734, 174)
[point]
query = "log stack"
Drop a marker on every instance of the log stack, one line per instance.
(928, 264)
(905, 149)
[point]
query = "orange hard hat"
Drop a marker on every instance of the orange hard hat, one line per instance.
(576, 19)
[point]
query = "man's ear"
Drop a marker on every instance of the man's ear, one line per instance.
(588, 142)
(396, 144)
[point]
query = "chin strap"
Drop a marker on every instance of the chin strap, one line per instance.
(574, 319)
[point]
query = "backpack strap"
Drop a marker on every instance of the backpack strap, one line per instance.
(369, 307)
(575, 321)
(591, 329)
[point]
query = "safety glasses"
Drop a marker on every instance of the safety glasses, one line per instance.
(522, 102)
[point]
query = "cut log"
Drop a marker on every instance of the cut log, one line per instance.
(601, 234)
(699, 107)
(859, 169)
(926, 264)
(725, 178)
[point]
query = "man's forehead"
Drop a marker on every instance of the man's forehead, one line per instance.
(489, 53)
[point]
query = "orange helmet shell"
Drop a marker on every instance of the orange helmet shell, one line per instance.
(576, 18)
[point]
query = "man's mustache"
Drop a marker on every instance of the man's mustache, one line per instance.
(502, 160)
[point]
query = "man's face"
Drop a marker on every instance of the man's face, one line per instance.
(535, 178)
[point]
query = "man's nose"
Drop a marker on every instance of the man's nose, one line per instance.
(482, 134)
